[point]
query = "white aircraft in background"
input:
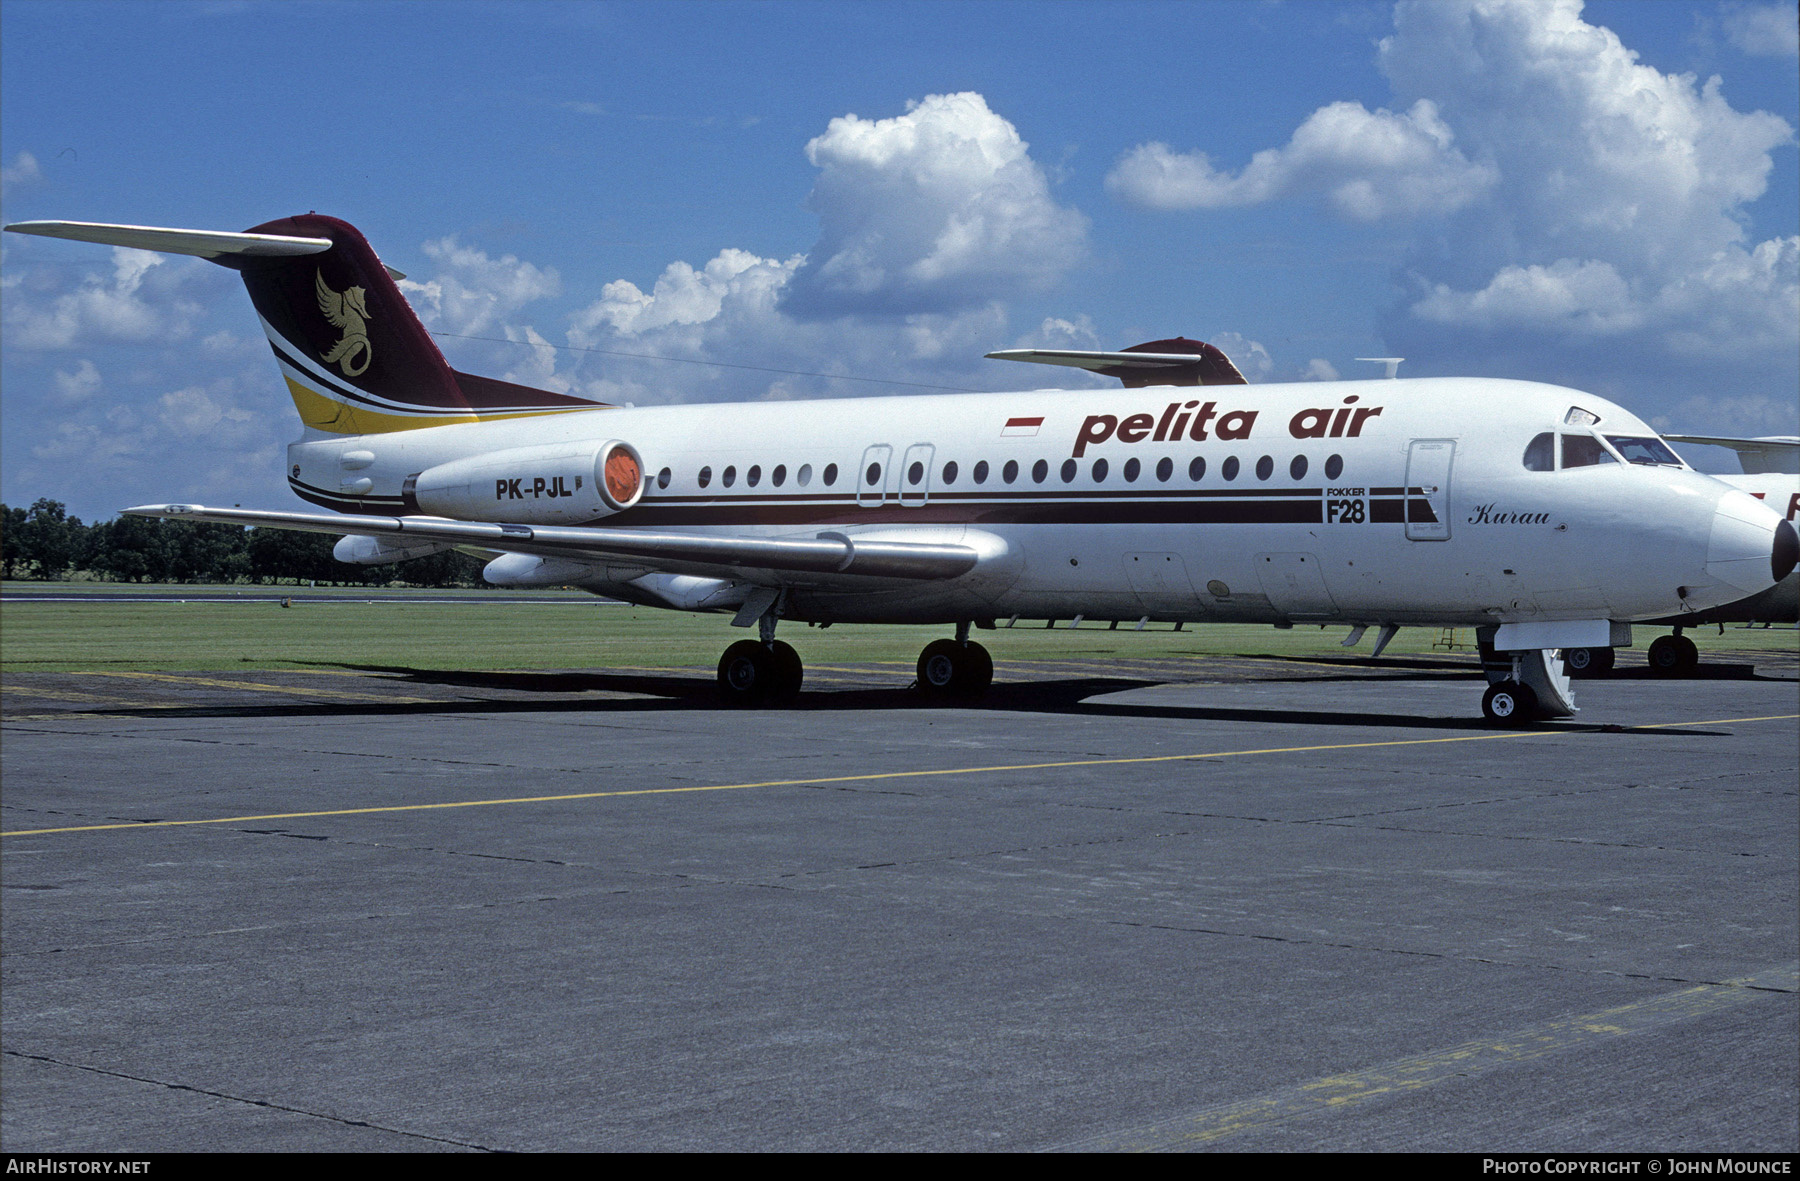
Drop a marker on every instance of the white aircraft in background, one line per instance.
(1771, 467)
(1543, 517)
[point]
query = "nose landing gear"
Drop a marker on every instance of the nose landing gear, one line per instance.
(1524, 686)
(1510, 704)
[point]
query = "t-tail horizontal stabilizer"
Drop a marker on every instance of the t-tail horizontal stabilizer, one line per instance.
(204, 243)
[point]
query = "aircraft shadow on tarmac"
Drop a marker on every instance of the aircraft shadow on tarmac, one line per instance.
(682, 690)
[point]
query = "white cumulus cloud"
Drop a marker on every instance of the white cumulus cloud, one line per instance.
(928, 223)
(736, 282)
(472, 293)
(23, 170)
(1598, 155)
(1366, 165)
(80, 385)
(102, 308)
(1584, 296)
(1765, 30)
(1583, 211)
(1618, 216)
(937, 209)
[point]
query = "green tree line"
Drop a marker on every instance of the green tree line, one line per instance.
(45, 542)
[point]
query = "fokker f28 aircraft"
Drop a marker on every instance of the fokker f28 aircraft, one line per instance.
(1545, 518)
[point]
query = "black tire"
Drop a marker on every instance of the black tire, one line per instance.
(948, 669)
(1589, 662)
(1673, 656)
(940, 668)
(1510, 704)
(978, 670)
(746, 673)
(787, 671)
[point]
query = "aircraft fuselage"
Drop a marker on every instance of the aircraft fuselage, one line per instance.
(1405, 502)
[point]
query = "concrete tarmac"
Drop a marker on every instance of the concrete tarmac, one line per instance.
(1124, 905)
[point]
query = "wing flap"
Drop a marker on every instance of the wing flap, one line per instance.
(828, 555)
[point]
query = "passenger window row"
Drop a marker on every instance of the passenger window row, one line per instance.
(1131, 470)
(778, 475)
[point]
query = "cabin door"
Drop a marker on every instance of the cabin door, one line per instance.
(1428, 463)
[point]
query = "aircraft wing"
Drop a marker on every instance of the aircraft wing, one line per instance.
(825, 557)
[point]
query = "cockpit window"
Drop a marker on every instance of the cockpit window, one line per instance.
(1540, 453)
(1651, 450)
(1584, 451)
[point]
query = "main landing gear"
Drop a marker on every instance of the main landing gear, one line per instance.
(763, 671)
(756, 673)
(1669, 656)
(1589, 662)
(958, 668)
(766, 671)
(1673, 656)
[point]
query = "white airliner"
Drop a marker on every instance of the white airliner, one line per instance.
(1545, 518)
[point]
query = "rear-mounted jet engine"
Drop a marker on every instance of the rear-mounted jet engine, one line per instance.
(553, 484)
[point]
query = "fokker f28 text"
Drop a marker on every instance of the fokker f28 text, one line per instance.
(1543, 517)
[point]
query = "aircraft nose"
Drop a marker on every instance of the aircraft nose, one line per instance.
(1787, 551)
(1749, 543)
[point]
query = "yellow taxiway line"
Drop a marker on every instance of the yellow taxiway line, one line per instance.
(866, 777)
(217, 683)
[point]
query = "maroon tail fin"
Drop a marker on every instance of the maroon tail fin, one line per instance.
(354, 354)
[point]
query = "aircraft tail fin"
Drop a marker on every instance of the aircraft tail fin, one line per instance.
(354, 355)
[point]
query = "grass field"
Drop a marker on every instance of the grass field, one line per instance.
(211, 631)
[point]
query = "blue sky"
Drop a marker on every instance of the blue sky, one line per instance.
(1520, 188)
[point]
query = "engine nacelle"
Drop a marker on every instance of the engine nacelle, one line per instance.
(360, 550)
(550, 484)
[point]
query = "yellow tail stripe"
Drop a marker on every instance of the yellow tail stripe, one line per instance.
(335, 416)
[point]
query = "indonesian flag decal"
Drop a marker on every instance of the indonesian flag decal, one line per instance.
(1021, 427)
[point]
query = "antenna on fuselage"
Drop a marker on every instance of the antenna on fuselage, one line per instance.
(1392, 363)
